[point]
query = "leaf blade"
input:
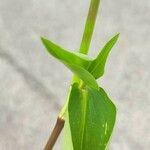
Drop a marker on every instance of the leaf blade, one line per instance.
(67, 140)
(64, 55)
(98, 65)
(91, 117)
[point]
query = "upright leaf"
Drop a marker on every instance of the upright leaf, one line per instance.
(66, 56)
(98, 65)
(91, 118)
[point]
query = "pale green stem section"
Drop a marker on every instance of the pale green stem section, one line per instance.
(89, 26)
(64, 109)
(85, 44)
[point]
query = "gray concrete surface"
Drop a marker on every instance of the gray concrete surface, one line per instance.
(33, 85)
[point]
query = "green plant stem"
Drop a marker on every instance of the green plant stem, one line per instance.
(85, 43)
(88, 32)
(84, 47)
(86, 40)
(89, 26)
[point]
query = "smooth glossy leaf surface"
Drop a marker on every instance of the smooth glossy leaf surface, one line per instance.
(98, 65)
(66, 56)
(91, 118)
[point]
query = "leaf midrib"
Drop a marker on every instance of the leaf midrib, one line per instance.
(84, 92)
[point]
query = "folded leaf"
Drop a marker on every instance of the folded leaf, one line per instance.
(91, 118)
(83, 74)
(98, 65)
(66, 56)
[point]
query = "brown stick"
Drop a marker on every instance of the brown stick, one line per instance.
(55, 133)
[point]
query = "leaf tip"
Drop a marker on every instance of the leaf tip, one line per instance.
(43, 39)
(117, 36)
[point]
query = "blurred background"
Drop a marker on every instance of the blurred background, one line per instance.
(33, 85)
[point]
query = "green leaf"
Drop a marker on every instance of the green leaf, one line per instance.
(74, 61)
(83, 75)
(98, 65)
(67, 140)
(91, 117)
(66, 56)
